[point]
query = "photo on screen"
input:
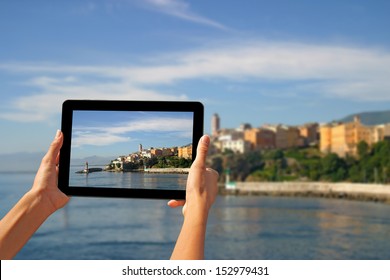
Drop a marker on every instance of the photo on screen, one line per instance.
(130, 149)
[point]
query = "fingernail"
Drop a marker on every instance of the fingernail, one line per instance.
(58, 133)
(206, 139)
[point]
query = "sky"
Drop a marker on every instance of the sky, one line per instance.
(114, 134)
(252, 61)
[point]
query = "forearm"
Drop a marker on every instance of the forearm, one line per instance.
(190, 243)
(21, 222)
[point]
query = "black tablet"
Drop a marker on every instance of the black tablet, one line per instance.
(137, 149)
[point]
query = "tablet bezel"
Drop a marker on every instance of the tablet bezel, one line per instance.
(119, 105)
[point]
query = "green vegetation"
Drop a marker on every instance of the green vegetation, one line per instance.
(168, 162)
(154, 162)
(372, 165)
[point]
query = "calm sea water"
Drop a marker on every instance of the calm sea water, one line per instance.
(238, 228)
(127, 180)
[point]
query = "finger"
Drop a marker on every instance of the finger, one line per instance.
(58, 159)
(201, 151)
(212, 171)
(176, 203)
(54, 149)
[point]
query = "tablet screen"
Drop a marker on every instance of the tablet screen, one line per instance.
(131, 149)
(140, 149)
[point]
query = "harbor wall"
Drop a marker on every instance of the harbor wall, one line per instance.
(167, 170)
(368, 192)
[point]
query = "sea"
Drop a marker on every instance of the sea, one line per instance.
(239, 227)
(127, 180)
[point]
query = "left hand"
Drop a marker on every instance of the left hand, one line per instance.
(46, 179)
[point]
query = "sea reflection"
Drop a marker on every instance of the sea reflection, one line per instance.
(239, 227)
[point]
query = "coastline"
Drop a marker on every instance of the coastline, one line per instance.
(167, 170)
(154, 170)
(351, 191)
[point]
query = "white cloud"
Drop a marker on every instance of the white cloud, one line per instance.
(155, 124)
(272, 61)
(54, 91)
(116, 133)
(332, 71)
(181, 9)
(96, 139)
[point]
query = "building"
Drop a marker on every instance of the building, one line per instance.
(309, 132)
(215, 125)
(260, 138)
(146, 154)
(237, 146)
(185, 152)
(243, 127)
(325, 138)
(343, 138)
(167, 152)
(293, 137)
(156, 152)
(380, 132)
(233, 140)
(285, 136)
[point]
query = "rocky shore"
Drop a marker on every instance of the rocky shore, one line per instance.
(365, 192)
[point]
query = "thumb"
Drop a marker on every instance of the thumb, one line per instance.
(54, 148)
(201, 151)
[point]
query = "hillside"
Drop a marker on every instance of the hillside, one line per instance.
(370, 118)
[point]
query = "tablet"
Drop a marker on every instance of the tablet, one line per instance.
(129, 149)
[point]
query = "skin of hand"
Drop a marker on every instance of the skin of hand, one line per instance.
(35, 206)
(201, 191)
(45, 183)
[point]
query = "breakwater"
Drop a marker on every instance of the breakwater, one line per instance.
(367, 192)
(167, 170)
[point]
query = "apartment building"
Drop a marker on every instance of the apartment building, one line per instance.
(343, 138)
(286, 136)
(185, 152)
(238, 146)
(310, 133)
(260, 138)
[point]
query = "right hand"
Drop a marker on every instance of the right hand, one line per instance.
(202, 188)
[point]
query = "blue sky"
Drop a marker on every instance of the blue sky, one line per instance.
(249, 61)
(113, 134)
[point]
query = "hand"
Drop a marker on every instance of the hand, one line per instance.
(46, 179)
(44, 198)
(201, 189)
(201, 192)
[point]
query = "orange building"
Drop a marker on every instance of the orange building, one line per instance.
(260, 138)
(185, 152)
(293, 138)
(156, 152)
(325, 138)
(309, 132)
(285, 136)
(342, 138)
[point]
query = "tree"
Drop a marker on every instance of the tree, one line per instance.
(333, 168)
(362, 149)
(184, 163)
(150, 162)
(162, 162)
(217, 164)
(311, 169)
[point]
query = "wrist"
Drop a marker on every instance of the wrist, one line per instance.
(42, 201)
(196, 215)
